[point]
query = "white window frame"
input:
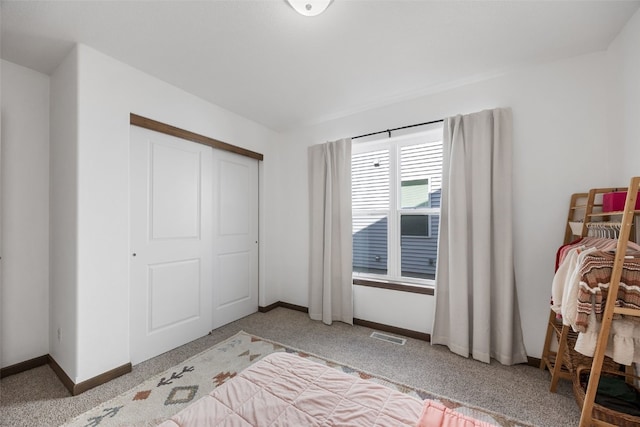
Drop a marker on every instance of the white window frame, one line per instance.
(394, 145)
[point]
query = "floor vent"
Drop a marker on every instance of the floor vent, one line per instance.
(389, 338)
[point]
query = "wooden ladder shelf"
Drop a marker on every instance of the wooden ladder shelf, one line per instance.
(587, 419)
(554, 360)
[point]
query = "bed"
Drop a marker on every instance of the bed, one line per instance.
(284, 389)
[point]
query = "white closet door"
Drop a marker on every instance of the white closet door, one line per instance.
(171, 242)
(235, 195)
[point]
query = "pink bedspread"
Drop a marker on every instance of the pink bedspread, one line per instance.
(287, 390)
(436, 414)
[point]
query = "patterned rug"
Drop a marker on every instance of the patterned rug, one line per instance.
(158, 398)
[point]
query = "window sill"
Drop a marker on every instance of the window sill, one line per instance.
(395, 286)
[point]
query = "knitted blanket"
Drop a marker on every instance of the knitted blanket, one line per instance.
(595, 277)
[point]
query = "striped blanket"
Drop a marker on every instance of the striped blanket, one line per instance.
(595, 277)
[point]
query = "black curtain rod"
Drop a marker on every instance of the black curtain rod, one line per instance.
(394, 129)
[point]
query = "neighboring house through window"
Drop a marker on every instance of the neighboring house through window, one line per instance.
(396, 184)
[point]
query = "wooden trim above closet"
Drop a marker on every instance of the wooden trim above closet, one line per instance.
(154, 125)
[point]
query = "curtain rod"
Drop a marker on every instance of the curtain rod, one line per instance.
(394, 129)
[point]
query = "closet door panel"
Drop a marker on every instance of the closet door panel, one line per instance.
(170, 286)
(175, 193)
(235, 288)
(235, 273)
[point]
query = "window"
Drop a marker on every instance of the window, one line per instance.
(396, 186)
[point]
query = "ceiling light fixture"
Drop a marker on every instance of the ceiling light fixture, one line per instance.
(309, 7)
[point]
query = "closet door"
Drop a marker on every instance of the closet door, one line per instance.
(235, 196)
(171, 185)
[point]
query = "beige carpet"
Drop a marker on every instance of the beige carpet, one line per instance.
(158, 398)
(37, 398)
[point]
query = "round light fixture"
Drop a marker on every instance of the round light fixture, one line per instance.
(309, 7)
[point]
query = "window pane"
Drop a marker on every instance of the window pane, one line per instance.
(414, 225)
(418, 250)
(370, 244)
(414, 190)
(370, 180)
(421, 162)
(410, 223)
(414, 193)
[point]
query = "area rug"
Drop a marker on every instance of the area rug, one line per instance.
(158, 398)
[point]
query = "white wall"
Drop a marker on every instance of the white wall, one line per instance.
(624, 62)
(560, 129)
(562, 145)
(108, 91)
(25, 214)
(63, 214)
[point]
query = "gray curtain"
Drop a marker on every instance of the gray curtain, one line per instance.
(330, 259)
(476, 309)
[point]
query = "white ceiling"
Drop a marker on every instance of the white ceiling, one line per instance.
(262, 60)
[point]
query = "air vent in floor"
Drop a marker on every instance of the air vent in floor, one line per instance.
(389, 338)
